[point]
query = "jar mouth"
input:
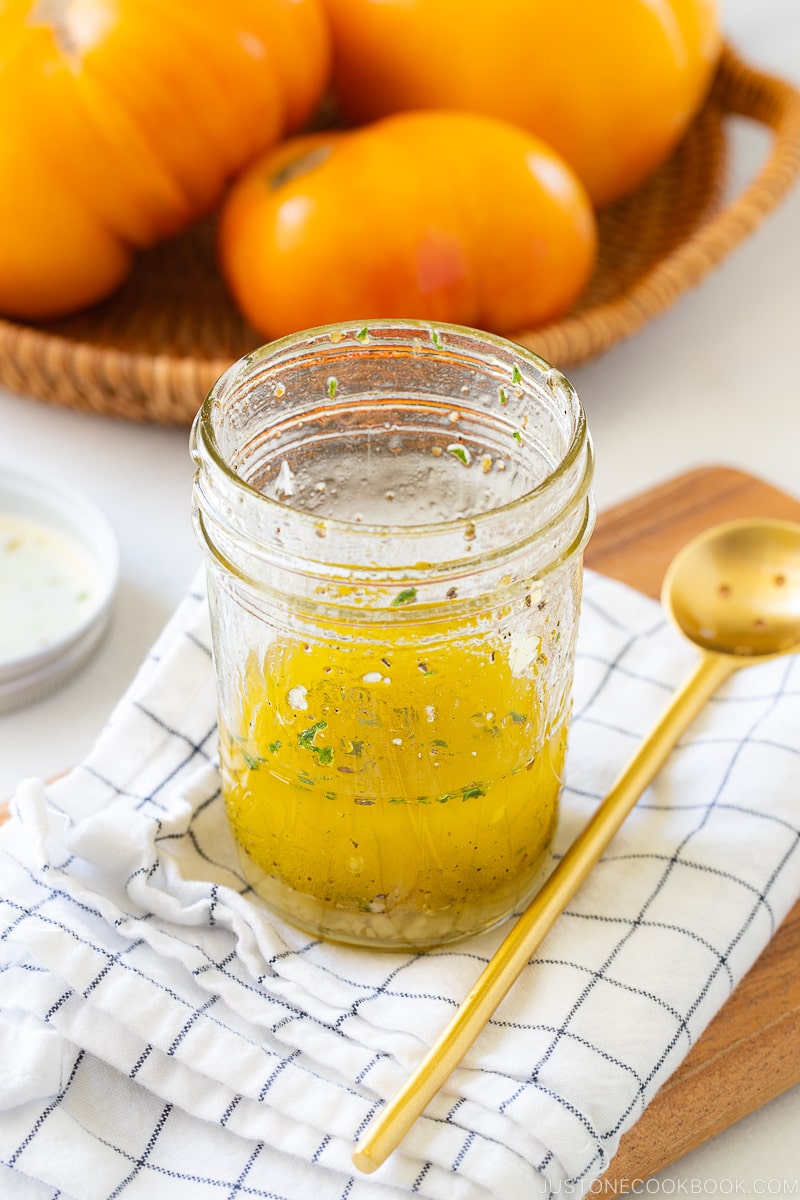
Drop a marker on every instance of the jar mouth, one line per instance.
(516, 373)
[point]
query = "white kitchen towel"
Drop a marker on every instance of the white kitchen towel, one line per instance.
(164, 1036)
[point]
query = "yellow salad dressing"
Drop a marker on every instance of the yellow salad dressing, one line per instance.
(386, 792)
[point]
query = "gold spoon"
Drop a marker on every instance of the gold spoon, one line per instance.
(735, 592)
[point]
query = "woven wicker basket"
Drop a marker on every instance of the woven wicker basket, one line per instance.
(153, 350)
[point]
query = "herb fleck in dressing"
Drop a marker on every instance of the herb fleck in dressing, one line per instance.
(47, 585)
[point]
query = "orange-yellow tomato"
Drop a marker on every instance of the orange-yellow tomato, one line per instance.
(121, 121)
(434, 215)
(610, 84)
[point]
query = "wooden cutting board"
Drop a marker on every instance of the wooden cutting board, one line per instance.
(751, 1050)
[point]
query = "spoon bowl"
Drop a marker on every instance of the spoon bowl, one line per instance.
(735, 589)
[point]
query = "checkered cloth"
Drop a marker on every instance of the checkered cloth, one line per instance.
(164, 1036)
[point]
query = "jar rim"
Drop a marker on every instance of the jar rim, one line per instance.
(548, 376)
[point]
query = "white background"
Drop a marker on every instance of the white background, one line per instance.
(716, 380)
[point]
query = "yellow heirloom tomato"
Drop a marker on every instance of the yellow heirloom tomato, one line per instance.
(121, 120)
(610, 84)
(433, 215)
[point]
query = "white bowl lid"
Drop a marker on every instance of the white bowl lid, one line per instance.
(59, 568)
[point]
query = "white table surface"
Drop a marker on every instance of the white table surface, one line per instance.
(716, 380)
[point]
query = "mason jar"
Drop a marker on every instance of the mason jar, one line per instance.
(393, 516)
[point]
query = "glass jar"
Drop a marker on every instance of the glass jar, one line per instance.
(393, 517)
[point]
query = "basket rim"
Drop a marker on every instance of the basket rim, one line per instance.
(738, 89)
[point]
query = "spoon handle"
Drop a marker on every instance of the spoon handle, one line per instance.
(398, 1115)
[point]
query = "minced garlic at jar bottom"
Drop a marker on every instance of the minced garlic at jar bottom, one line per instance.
(392, 797)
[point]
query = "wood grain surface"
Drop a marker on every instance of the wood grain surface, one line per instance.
(751, 1050)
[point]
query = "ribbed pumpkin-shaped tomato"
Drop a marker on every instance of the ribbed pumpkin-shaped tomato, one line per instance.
(610, 84)
(121, 120)
(448, 216)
